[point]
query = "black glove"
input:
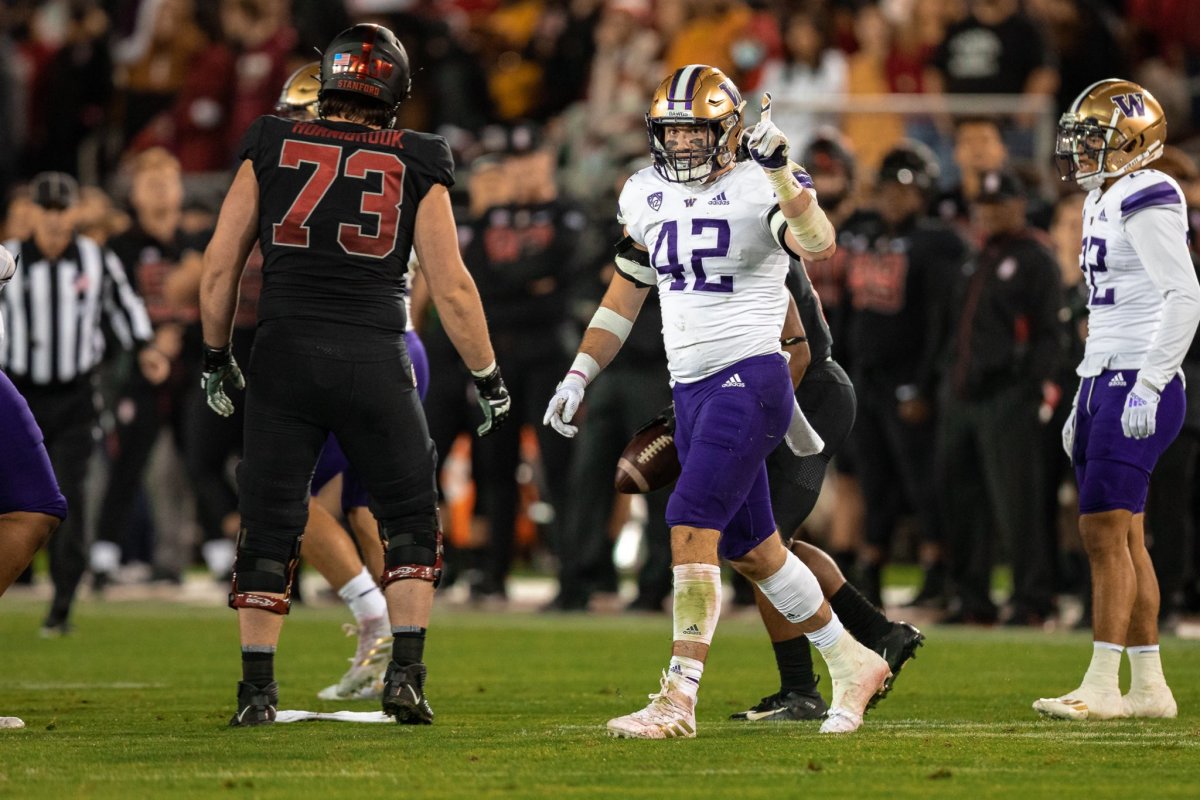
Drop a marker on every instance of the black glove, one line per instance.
(219, 367)
(493, 399)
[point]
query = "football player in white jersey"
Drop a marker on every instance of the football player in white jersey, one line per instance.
(713, 234)
(1144, 307)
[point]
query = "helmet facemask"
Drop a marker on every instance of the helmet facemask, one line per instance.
(696, 163)
(1113, 128)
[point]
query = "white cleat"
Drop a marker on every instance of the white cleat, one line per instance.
(364, 679)
(858, 674)
(1082, 704)
(11, 723)
(1156, 703)
(671, 714)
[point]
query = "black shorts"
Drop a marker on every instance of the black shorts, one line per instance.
(298, 390)
(826, 397)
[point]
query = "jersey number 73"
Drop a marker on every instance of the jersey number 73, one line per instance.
(384, 205)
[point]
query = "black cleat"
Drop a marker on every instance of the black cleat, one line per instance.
(896, 648)
(404, 695)
(256, 705)
(790, 706)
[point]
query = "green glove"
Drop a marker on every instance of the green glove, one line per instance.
(219, 367)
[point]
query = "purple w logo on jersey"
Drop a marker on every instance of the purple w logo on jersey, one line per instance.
(1131, 105)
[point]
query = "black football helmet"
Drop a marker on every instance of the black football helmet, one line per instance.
(827, 158)
(367, 60)
(910, 163)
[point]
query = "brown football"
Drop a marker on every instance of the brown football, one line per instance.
(649, 461)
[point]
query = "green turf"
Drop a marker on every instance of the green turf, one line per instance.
(135, 705)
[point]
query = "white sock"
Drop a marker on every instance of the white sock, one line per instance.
(362, 594)
(1104, 671)
(1145, 668)
(219, 555)
(105, 557)
(826, 638)
(690, 670)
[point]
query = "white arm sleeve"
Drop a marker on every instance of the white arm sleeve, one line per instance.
(1159, 238)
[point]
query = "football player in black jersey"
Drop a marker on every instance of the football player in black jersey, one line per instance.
(337, 205)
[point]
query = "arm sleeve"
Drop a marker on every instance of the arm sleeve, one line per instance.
(1158, 236)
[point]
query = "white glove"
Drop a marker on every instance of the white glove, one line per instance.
(766, 143)
(564, 404)
(801, 437)
(8, 266)
(1141, 406)
(1068, 431)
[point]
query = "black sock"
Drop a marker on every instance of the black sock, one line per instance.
(258, 665)
(864, 621)
(794, 659)
(408, 645)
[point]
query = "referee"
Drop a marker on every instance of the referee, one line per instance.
(67, 296)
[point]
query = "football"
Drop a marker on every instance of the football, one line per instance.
(650, 460)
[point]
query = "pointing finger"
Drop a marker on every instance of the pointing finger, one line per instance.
(765, 114)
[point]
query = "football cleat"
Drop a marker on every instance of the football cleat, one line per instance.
(1083, 703)
(404, 694)
(364, 679)
(858, 675)
(256, 705)
(671, 714)
(896, 648)
(1156, 703)
(789, 706)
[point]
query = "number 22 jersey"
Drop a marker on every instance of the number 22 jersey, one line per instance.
(337, 211)
(720, 269)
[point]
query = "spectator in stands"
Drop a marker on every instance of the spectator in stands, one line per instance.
(871, 134)
(1084, 42)
(810, 67)
(979, 149)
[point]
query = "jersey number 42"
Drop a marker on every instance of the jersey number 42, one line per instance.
(665, 257)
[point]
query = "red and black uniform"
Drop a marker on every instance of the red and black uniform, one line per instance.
(337, 212)
(898, 286)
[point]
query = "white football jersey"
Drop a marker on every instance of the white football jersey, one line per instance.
(1125, 306)
(720, 270)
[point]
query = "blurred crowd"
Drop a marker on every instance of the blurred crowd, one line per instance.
(963, 382)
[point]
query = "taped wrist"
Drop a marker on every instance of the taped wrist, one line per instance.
(608, 320)
(697, 605)
(216, 357)
(633, 264)
(785, 184)
(584, 369)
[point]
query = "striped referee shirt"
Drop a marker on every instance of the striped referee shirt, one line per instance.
(57, 312)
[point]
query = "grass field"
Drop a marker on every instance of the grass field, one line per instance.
(135, 705)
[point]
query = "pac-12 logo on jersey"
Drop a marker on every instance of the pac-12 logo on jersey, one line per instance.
(1131, 105)
(655, 201)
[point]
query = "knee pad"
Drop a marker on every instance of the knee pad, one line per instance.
(697, 604)
(266, 562)
(412, 550)
(793, 590)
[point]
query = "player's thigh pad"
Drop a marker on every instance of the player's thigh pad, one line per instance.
(732, 421)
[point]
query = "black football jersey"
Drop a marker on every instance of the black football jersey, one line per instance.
(812, 314)
(337, 210)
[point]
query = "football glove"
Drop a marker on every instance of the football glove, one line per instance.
(766, 143)
(8, 265)
(1141, 407)
(493, 400)
(219, 366)
(1068, 430)
(564, 404)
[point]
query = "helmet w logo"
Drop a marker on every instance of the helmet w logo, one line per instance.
(1131, 105)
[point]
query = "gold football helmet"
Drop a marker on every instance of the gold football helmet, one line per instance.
(1114, 127)
(298, 100)
(702, 97)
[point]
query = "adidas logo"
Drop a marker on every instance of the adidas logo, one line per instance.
(1117, 380)
(719, 200)
(1103, 216)
(735, 380)
(691, 630)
